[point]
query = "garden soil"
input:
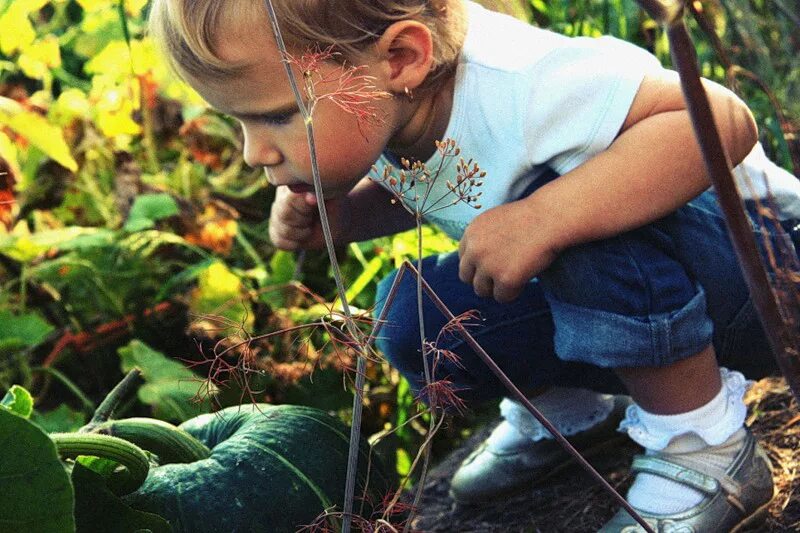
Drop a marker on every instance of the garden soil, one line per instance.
(574, 502)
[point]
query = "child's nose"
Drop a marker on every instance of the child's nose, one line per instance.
(259, 151)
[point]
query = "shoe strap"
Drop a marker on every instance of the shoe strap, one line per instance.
(687, 471)
(675, 472)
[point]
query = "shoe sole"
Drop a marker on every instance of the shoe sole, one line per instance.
(570, 461)
(754, 522)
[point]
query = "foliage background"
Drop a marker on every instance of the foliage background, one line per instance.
(131, 232)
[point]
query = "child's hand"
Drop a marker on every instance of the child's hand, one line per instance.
(503, 248)
(294, 220)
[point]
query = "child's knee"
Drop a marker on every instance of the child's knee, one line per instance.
(626, 301)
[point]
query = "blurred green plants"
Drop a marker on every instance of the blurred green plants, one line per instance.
(129, 225)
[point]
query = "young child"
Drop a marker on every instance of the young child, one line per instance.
(598, 259)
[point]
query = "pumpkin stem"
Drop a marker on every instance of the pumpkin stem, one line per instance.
(133, 458)
(106, 408)
(170, 443)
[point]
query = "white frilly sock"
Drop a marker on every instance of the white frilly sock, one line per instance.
(570, 410)
(712, 433)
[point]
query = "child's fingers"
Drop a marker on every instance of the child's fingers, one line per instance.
(291, 210)
(292, 220)
(483, 285)
(289, 238)
(466, 268)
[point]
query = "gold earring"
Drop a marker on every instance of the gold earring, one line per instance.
(408, 93)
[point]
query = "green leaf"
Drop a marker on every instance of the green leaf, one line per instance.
(403, 462)
(98, 465)
(29, 247)
(183, 277)
(281, 267)
(169, 386)
(99, 510)
(37, 494)
(22, 331)
(18, 401)
(62, 419)
(149, 208)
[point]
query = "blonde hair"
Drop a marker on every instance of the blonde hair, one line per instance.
(188, 30)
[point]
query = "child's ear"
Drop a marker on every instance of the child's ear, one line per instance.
(406, 51)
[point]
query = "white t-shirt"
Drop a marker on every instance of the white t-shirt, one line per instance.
(527, 100)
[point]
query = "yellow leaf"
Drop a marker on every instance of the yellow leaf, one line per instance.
(218, 282)
(32, 67)
(134, 7)
(114, 124)
(8, 152)
(118, 61)
(71, 103)
(17, 30)
(145, 56)
(37, 59)
(97, 5)
(22, 249)
(114, 104)
(38, 131)
(113, 61)
(219, 292)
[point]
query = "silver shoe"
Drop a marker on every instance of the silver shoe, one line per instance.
(735, 500)
(487, 474)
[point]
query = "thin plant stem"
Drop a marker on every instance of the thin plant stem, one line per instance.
(355, 427)
(420, 314)
(521, 398)
(782, 338)
(407, 267)
(733, 72)
(426, 449)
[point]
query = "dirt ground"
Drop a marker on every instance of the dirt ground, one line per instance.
(574, 502)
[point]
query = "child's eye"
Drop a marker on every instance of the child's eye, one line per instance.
(279, 119)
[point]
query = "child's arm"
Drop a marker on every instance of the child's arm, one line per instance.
(365, 213)
(653, 167)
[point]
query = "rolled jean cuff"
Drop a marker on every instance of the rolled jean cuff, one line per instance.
(607, 339)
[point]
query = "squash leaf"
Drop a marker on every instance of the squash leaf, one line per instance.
(37, 494)
(149, 208)
(19, 401)
(62, 419)
(170, 388)
(22, 331)
(97, 509)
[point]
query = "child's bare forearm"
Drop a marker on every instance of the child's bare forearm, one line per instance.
(653, 167)
(372, 213)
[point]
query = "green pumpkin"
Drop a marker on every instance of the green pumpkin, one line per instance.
(273, 468)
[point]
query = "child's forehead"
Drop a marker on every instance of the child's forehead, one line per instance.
(237, 28)
(247, 48)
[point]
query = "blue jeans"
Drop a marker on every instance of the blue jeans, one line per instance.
(646, 298)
